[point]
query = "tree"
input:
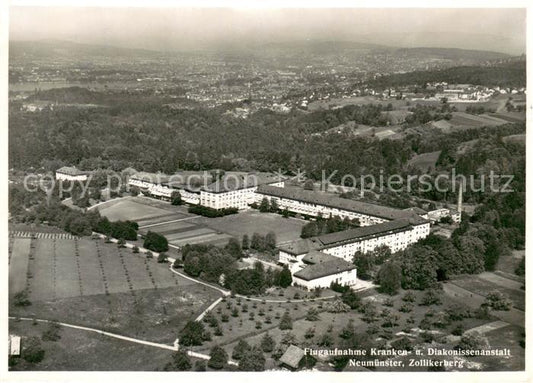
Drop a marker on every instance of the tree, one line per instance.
(233, 247)
(418, 265)
(245, 242)
(193, 334)
(390, 278)
(155, 242)
(267, 343)
(270, 240)
(218, 358)
(241, 349)
(181, 361)
(309, 230)
(472, 341)
(285, 278)
(175, 198)
(350, 298)
(285, 321)
(161, 258)
(365, 263)
(254, 360)
(274, 207)
(472, 252)
(32, 351)
(264, 206)
(258, 242)
(200, 365)
(312, 315)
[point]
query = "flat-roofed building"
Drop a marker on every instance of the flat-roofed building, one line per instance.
(71, 173)
(396, 235)
(236, 189)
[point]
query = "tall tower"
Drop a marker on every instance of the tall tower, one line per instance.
(460, 199)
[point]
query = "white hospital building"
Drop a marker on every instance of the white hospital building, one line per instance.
(313, 262)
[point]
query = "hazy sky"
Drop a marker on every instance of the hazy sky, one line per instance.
(185, 28)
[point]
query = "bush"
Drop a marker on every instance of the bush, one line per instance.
(21, 299)
(161, 258)
(498, 301)
(32, 351)
(458, 330)
(52, 332)
(210, 212)
(431, 297)
(312, 315)
(285, 322)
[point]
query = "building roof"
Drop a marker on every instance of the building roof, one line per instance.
(71, 171)
(300, 246)
(324, 241)
(416, 210)
(333, 201)
(292, 356)
(241, 180)
(155, 178)
(322, 265)
(365, 232)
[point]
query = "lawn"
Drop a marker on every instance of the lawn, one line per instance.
(483, 287)
(79, 350)
(252, 221)
(136, 209)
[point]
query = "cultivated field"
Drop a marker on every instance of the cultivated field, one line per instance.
(181, 227)
(91, 283)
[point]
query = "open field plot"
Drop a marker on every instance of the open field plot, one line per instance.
(425, 161)
(18, 266)
(80, 267)
(465, 120)
(155, 315)
(139, 210)
(79, 350)
(252, 221)
(482, 286)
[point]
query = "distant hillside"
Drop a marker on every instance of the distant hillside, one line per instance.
(49, 48)
(510, 74)
(453, 53)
